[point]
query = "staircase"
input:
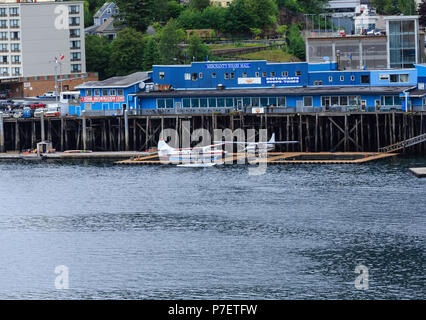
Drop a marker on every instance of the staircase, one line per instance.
(404, 144)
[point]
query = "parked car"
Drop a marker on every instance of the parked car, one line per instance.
(53, 111)
(39, 112)
(28, 112)
(49, 94)
(17, 114)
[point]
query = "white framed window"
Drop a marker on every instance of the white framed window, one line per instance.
(97, 92)
(342, 78)
(307, 101)
(298, 73)
(284, 74)
(161, 75)
(187, 76)
(330, 79)
(352, 78)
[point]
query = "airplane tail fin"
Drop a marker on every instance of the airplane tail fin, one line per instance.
(163, 146)
(272, 138)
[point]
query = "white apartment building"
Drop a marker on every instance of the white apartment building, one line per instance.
(34, 33)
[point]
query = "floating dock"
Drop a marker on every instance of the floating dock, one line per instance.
(280, 158)
(74, 156)
(419, 172)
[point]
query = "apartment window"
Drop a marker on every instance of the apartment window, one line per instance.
(3, 24)
(298, 73)
(76, 68)
(16, 59)
(74, 33)
(14, 11)
(342, 78)
(161, 75)
(307, 101)
(15, 47)
(187, 76)
(75, 56)
(3, 12)
(112, 92)
(213, 75)
(4, 71)
(88, 92)
(120, 92)
(330, 79)
(15, 35)
(75, 44)
(365, 79)
(3, 36)
(16, 71)
(14, 23)
(74, 9)
(284, 74)
(74, 21)
(4, 47)
(4, 60)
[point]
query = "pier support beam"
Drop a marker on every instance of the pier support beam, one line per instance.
(126, 130)
(1, 133)
(84, 130)
(43, 138)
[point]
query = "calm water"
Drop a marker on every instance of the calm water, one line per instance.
(298, 231)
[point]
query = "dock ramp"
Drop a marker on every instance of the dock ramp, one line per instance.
(404, 144)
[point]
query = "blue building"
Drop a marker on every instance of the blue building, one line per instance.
(253, 85)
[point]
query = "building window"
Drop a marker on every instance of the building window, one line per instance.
(244, 74)
(284, 73)
(15, 35)
(187, 103)
(15, 47)
(14, 23)
(203, 103)
(404, 78)
(194, 76)
(76, 56)
(353, 78)
(257, 74)
(120, 92)
(365, 79)
(75, 68)
(14, 11)
(273, 74)
(16, 71)
(88, 92)
(112, 92)
(394, 78)
(342, 78)
(104, 92)
(161, 103)
(161, 75)
(298, 73)
(96, 92)
(187, 76)
(232, 75)
(195, 103)
(264, 74)
(307, 101)
(281, 102)
(226, 76)
(330, 79)
(213, 75)
(200, 75)
(212, 103)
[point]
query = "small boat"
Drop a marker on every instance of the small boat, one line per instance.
(78, 151)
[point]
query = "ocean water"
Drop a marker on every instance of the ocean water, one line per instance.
(162, 232)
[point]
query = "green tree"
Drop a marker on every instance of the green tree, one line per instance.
(197, 49)
(98, 53)
(170, 37)
(422, 13)
(152, 55)
(239, 17)
(136, 14)
(296, 44)
(264, 13)
(174, 9)
(199, 4)
(127, 52)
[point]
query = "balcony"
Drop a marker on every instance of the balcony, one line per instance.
(16, 62)
(74, 35)
(75, 59)
(75, 48)
(75, 71)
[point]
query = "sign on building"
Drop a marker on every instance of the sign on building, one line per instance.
(249, 80)
(102, 99)
(283, 80)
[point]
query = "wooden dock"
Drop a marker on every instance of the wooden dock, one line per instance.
(74, 156)
(419, 172)
(277, 158)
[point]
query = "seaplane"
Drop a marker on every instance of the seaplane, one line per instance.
(260, 147)
(196, 157)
